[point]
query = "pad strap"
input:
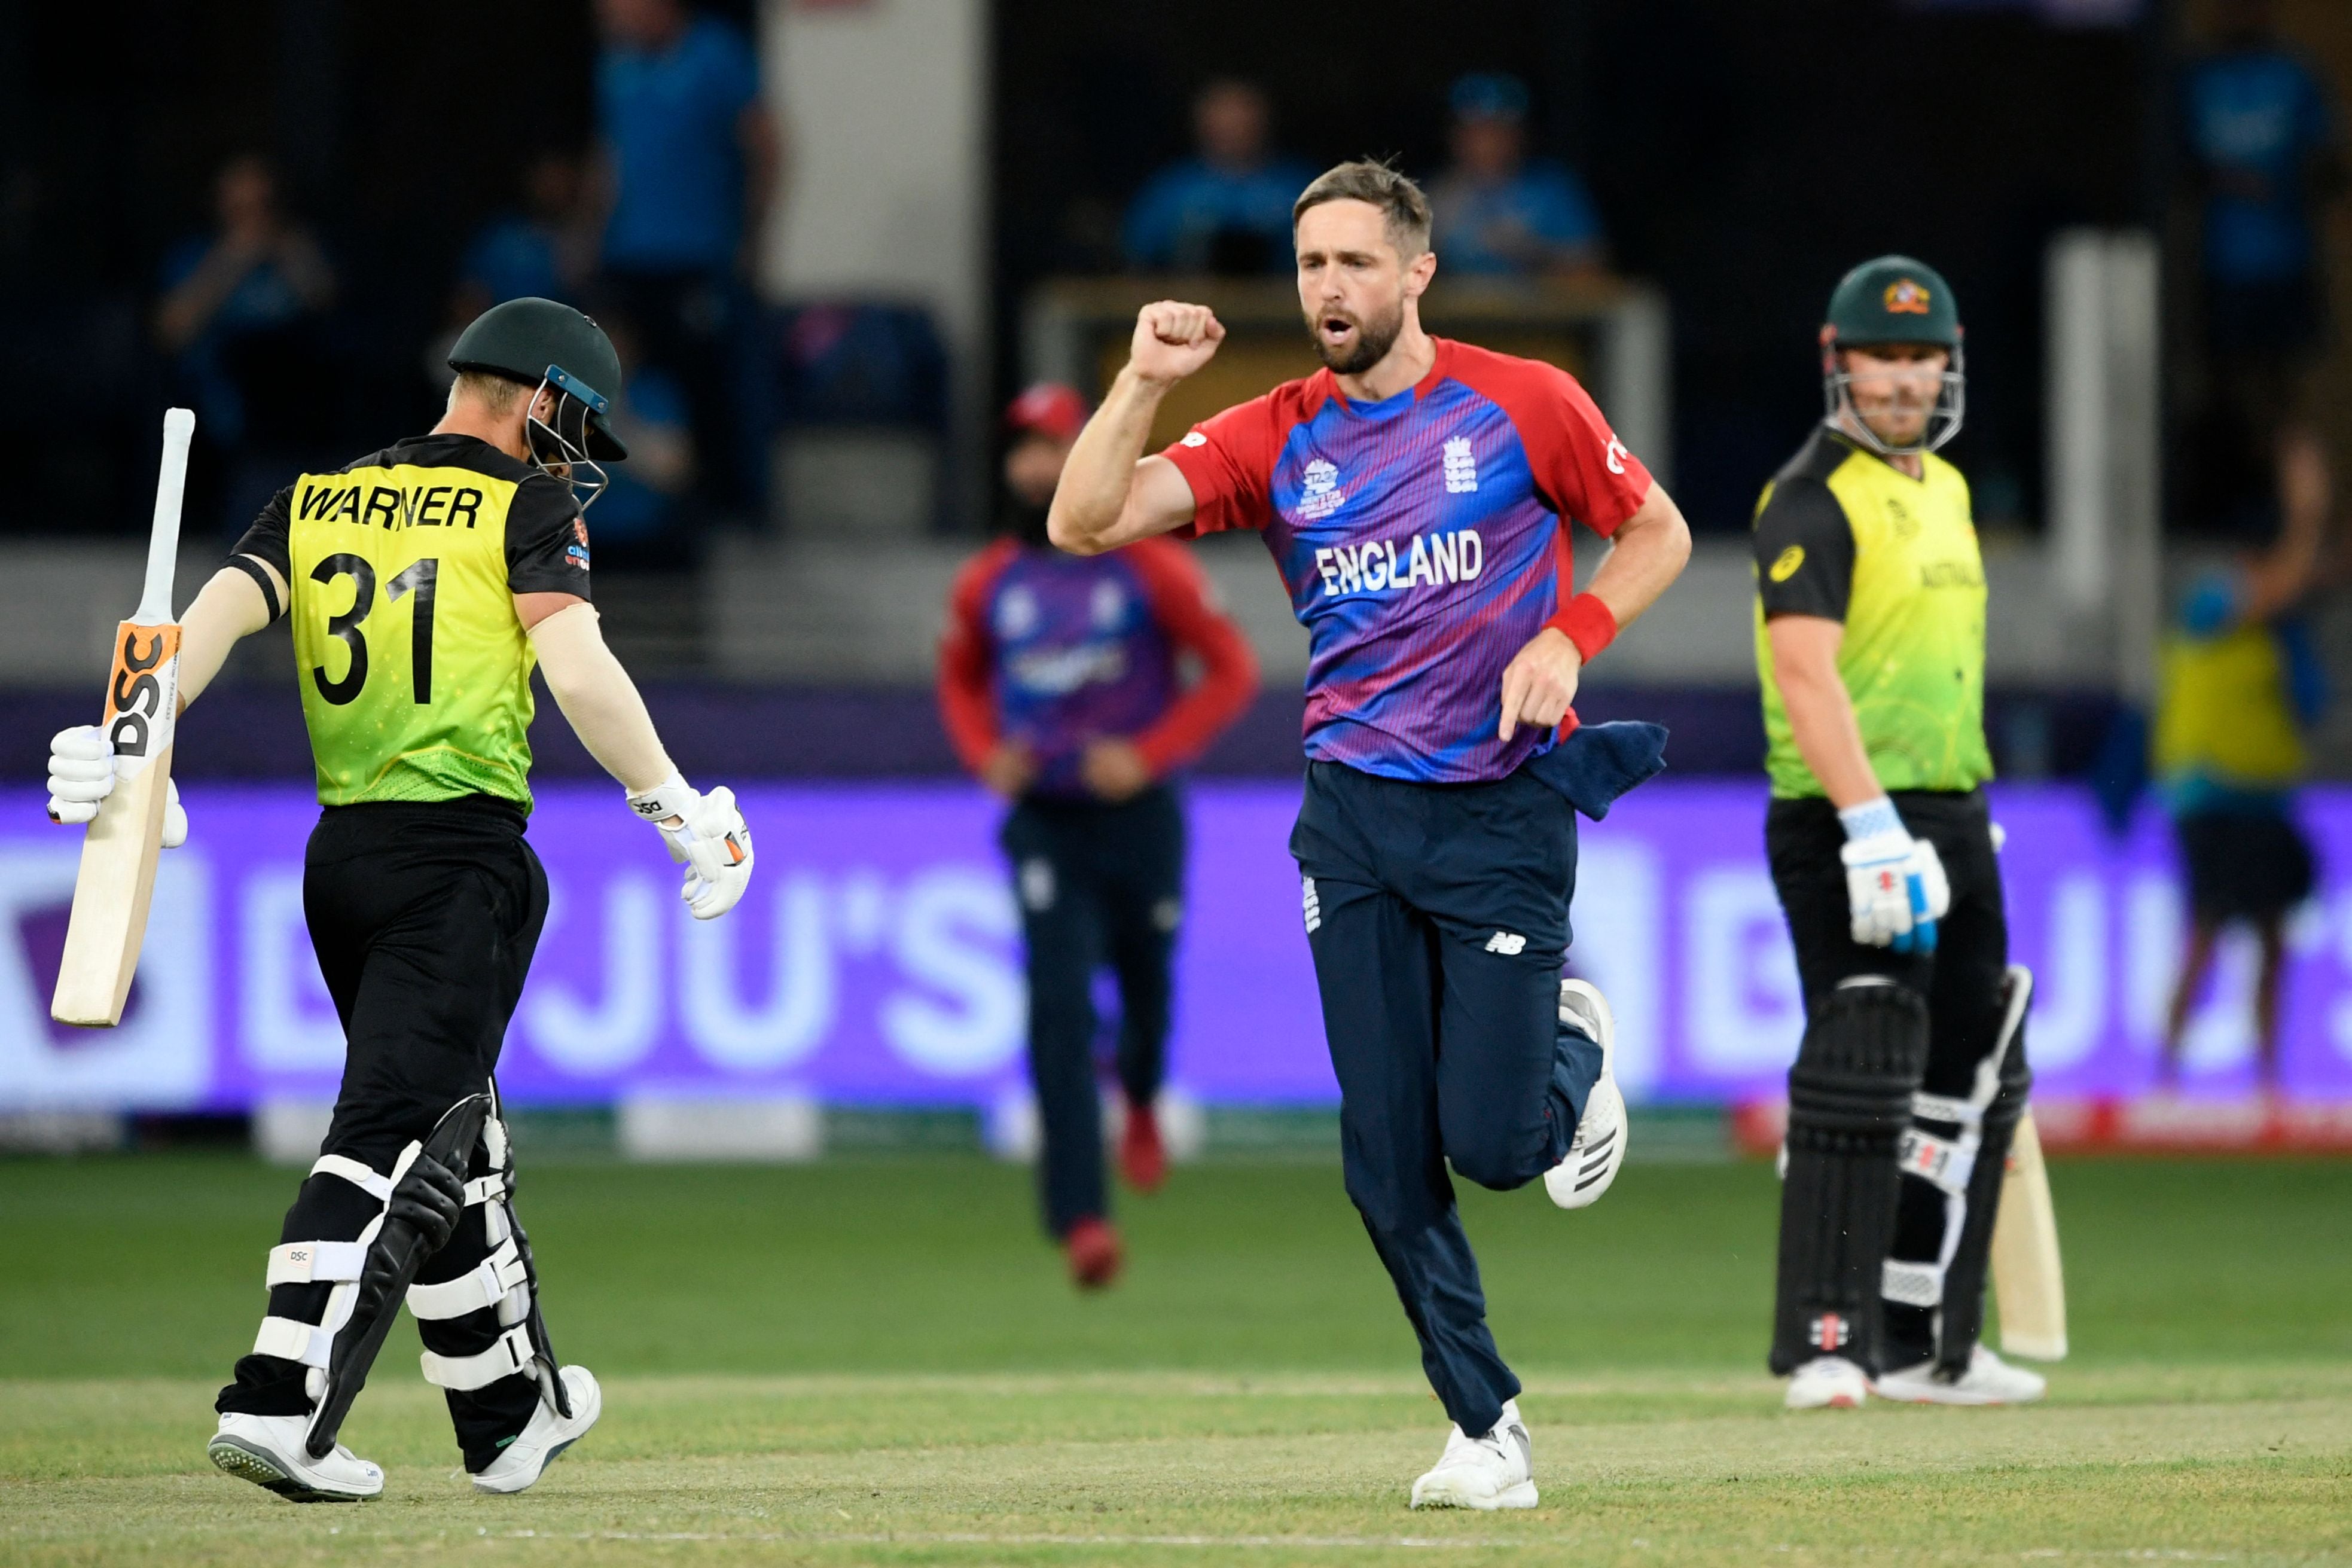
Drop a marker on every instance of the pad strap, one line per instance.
(290, 1341)
(510, 1354)
(483, 1285)
(1913, 1284)
(1943, 1108)
(483, 1189)
(359, 1176)
(310, 1262)
(1940, 1161)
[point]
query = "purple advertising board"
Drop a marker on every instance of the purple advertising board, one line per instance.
(876, 960)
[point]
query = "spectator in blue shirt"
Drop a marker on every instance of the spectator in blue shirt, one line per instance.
(690, 160)
(532, 253)
(2260, 134)
(242, 316)
(1226, 210)
(636, 517)
(1497, 212)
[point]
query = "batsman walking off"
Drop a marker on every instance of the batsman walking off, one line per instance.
(424, 581)
(1415, 494)
(1912, 1075)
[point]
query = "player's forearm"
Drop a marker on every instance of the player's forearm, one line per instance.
(599, 700)
(1828, 736)
(230, 607)
(1646, 554)
(1100, 474)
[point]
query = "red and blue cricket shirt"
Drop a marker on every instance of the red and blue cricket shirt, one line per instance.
(1425, 540)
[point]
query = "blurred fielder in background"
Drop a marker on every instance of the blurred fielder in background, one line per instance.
(1870, 639)
(2241, 682)
(1060, 687)
(424, 581)
(1415, 494)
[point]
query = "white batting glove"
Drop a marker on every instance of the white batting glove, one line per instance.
(1895, 884)
(705, 835)
(81, 774)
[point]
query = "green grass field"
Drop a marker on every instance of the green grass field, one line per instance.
(877, 1360)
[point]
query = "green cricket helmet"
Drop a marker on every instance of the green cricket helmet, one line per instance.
(1896, 300)
(552, 347)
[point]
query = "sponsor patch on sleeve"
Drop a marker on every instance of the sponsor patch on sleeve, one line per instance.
(1785, 564)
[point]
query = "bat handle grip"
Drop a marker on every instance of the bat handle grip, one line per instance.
(163, 539)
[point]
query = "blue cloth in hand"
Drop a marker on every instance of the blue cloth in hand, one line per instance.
(1598, 762)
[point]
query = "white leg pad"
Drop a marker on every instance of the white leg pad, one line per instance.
(510, 1354)
(486, 1284)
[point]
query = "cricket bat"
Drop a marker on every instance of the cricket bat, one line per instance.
(2028, 1281)
(143, 709)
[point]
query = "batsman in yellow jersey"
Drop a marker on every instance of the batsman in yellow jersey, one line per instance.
(1908, 1086)
(424, 583)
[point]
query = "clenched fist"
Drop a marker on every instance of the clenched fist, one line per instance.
(1172, 339)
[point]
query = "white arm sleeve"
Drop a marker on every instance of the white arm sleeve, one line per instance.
(599, 698)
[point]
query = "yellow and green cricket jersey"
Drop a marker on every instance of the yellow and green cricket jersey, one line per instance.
(1844, 534)
(2225, 715)
(416, 673)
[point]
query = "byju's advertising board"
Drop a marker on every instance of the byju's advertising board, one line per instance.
(876, 960)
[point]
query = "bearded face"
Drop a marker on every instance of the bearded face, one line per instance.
(1349, 344)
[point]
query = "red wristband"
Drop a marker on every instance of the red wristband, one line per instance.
(1588, 623)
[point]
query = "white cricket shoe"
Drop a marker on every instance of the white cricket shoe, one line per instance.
(1989, 1381)
(1828, 1383)
(1599, 1146)
(546, 1437)
(1489, 1472)
(269, 1451)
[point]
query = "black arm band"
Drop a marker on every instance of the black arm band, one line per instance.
(253, 569)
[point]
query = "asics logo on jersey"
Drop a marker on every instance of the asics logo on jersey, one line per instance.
(1433, 559)
(1318, 490)
(1616, 455)
(1311, 904)
(1461, 467)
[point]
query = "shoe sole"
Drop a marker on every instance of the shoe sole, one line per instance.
(1596, 1167)
(1842, 1399)
(1948, 1396)
(1520, 1496)
(249, 1464)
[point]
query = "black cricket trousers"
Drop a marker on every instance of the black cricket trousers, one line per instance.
(1098, 883)
(1960, 980)
(1438, 916)
(424, 918)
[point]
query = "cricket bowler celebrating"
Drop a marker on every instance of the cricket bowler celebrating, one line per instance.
(1415, 494)
(1870, 640)
(424, 581)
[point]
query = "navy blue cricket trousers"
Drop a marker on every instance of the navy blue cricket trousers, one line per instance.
(1438, 918)
(1098, 884)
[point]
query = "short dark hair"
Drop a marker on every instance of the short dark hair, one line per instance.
(1402, 206)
